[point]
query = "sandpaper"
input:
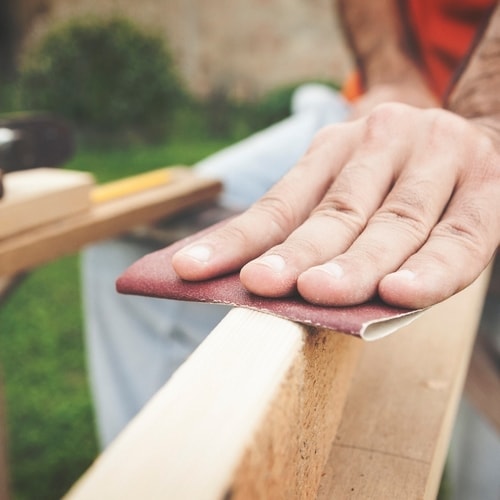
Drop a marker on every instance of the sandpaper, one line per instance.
(154, 276)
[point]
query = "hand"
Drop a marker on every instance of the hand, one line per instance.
(404, 203)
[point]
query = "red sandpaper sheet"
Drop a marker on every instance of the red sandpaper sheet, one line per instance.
(154, 276)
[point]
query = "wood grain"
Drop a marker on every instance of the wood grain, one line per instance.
(395, 430)
(251, 414)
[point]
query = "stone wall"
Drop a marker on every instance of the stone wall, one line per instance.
(244, 47)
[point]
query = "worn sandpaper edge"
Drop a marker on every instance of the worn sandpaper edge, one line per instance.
(380, 328)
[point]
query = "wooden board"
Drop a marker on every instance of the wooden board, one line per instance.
(395, 430)
(38, 196)
(251, 414)
(104, 220)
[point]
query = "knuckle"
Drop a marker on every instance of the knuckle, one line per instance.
(443, 127)
(304, 247)
(324, 134)
(322, 139)
(370, 253)
(232, 233)
(381, 118)
(343, 201)
(467, 230)
(339, 205)
(408, 209)
(278, 210)
(485, 161)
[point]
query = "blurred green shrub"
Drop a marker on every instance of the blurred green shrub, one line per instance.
(223, 117)
(109, 77)
(219, 116)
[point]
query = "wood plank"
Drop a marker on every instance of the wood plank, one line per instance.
(253, 411)
(251, 414)
(394, 434)
(104, 220)
(41, 195)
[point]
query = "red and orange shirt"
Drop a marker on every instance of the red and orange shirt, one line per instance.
(441, 33)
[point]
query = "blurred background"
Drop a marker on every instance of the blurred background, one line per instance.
(144, 84)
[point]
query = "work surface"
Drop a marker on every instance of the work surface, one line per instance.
(389, 439)
(104, 220)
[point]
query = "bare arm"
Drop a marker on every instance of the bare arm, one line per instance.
(375, 33)
(476, 95)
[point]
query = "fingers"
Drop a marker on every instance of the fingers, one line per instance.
(339, 219)
(458, 249)
(423, 256)
(448, 262)
(396, 230)
(269, 221)
(332, 227)
(404, 203)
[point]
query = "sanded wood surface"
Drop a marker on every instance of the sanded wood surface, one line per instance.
(251, 414)
(104, 220)
(396, 426)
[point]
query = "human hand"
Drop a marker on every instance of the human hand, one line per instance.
(404, 203)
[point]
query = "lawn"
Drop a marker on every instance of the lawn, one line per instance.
(42, 353)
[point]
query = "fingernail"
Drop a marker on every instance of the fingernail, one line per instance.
(201, 253)
(331, 268)
(404, 274)
(274, 262)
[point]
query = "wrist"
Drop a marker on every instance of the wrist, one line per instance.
(391, 68)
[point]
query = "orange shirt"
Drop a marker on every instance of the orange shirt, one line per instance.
(444, 32)
(441, 32)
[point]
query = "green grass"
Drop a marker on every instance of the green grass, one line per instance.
(109, 164)
(42, 354)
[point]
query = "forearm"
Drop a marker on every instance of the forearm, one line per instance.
(476, 95)
(375, 33)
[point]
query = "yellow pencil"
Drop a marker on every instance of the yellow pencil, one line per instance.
(130, 185)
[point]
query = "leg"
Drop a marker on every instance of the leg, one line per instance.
(474, 459)
(474, 456)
